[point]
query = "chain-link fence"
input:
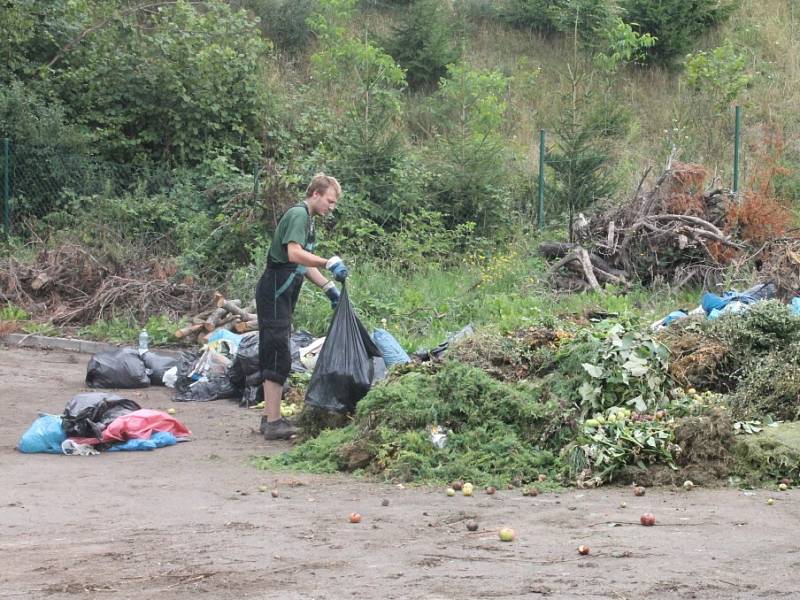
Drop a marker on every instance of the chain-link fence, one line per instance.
(39, 179)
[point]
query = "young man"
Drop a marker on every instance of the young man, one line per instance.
(291, 257)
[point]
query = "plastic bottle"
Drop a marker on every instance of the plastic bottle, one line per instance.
(144, 342)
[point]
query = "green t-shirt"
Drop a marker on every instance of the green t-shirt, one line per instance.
(296, 225)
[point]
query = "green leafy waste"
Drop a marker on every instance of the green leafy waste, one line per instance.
(496, 432)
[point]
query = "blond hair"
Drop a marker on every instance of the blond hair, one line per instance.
(320, 184)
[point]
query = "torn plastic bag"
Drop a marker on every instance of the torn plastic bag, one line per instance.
(122, 368)
(438, 351)
(344, 369)
(191, 386)
(252, 395)
(158, 364)
(88, 414)
(45, 435)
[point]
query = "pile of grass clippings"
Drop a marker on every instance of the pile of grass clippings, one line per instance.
(496, 432)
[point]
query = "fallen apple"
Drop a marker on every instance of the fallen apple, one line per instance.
(623, 504)
(472, 526)
(638, 491)
(491, 490)
(770, 501)
(355, 517)
(457, 485)
(530, 492)
(274, 493)
(171, 411)
(687, 485)
(647, 519)
(467, 489)
(262, 488)
(542, 477)
(583, 549)
(450, 492)
(783, 487)
(507, 534)
(786, 480)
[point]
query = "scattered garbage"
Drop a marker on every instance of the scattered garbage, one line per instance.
(122, 368)
(344, 370)
(95, 421)
(308, 354)
(438, 436)
(437, 352)
(72, 448)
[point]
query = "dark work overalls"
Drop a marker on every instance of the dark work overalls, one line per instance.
(276, 296)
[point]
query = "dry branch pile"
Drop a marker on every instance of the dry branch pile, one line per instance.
(70, 285)
(224, 314)
(674, 232)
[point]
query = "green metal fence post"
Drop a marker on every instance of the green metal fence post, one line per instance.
(6, 186)
(256, 173)
(540, 217)
(736, 131)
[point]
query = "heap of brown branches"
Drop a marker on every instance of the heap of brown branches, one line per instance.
(70, 285)
(674, 232)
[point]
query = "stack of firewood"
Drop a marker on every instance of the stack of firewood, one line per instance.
(225, 314)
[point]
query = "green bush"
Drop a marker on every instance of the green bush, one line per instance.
(285, 22)
(676, 24)
(588, 17)
(423, 43)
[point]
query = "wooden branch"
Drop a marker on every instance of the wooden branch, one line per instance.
(687, 219)
(588, 270)
(555, 249)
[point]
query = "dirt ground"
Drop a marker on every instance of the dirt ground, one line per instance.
(189, 521)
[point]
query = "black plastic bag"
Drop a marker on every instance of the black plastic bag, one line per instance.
(88, 414)
(122, 368)
(344, 369)
(158, 364)
(245, 370)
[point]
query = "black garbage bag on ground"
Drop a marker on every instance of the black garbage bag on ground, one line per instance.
(158, 364)
(246, 371)
(88, 414)
(345, 369)
(122, 368)
(204, 389)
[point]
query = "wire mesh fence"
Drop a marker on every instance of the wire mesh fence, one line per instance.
(39, 179)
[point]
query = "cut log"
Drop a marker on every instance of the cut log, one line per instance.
(189, 330)
(215, 318)
(233, 307)
(245, 326)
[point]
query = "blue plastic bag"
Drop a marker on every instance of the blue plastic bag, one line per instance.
(45, 435)
(393, 352)
(159, 439)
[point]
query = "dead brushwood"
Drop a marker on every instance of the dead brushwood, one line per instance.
(69, 284)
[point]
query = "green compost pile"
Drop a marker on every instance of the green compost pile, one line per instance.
(500, 431)
(586, 406)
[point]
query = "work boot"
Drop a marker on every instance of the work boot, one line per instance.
(277, 430)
